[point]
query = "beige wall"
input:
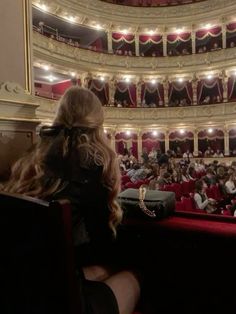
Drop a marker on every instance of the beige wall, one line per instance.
(12, 53)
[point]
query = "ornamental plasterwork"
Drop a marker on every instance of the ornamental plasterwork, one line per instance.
(156, 117)
(85, 60)
(94, 10)
(13, 92)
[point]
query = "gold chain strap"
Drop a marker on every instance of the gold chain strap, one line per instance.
(142, 194)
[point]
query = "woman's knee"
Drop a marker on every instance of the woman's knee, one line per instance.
(126, 289)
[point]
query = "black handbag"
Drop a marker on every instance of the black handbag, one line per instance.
(140, 203)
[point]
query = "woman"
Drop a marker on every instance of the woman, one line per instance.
(230, 185)
(73, 160)
(201, 200)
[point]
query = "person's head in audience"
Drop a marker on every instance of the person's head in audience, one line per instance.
(210, 172)
(221, 171)
(200, 186)
(191, 172)
(231, 171)
(232, 44)
(74, 141)
(209, 178)
(166, 177)
(233, 164)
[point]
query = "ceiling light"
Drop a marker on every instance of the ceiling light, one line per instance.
(207, 26)
(153, 81)
(98, 26)
(102, 78)
(72, 74)
(105, 131)
(181, 131)
(43, 7)
(51, 78)
(179, 30)
(127, 79)
(124, 31)
(209, 77)
(128, 132)
(180, 80)
(151, 32)
(71, 18)
(46, 67)
(210, 130)
(154, 133)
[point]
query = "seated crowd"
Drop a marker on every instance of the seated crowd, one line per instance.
(210, 188)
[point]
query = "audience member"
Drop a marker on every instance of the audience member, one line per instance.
(73, 161)
(201, 200)
(218, 153)
(187, 154)
(230, 185)
(208, 152)
(209, 178)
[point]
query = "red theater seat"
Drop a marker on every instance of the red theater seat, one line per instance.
(38, 264)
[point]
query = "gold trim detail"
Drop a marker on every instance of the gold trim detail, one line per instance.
(26, 4)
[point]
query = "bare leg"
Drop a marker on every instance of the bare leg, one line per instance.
(96, 273)
(126, 288)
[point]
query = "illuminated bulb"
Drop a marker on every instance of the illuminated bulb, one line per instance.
(181, 131)
(46, 67)
(209, 77)
(151, 32)
(105, 131)
(51, 78)
(180, 80)
(102, 78)
(43, 7)
(127, 79)
(154, 133)
(210, 130)
(179, 30)
(73, 74)
(128, 132)
(153, 81)
(207, 26)
(71, 18)
(125, 31)
(98, 26)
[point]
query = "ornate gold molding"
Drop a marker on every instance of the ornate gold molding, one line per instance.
(193, 117)
(64, 55)
(91, 11)
(16, 104)
(27, 23)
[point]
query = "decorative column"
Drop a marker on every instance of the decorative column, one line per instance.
(109, 41)
(138, 93)
(226, 142)
(193, 40)
(166, 91)
(140, 148)
(136, 38)
(113, 139)
(164, 44)
(225, 80)
(112, 89)
(195, 143)
(167, 142)
(194, 87)
(224, 35)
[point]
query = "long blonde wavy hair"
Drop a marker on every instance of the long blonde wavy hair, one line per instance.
(40, 173)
